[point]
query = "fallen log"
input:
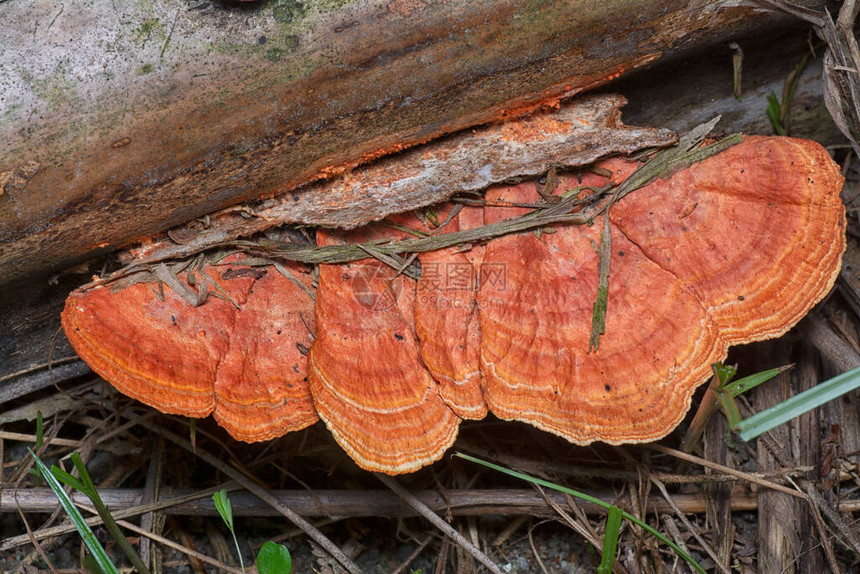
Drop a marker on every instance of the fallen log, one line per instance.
(166, 113)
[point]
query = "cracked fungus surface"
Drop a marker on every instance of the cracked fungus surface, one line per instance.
(733, 249)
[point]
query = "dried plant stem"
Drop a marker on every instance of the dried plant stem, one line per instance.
(265, 496)
(706, 408)
(39, 367)
(714, 466)
(437, 521)
(30, 438)
(402, 568)
(124, 503)
(184, 549)
(690, 528)
(846, 528)
(108, 495)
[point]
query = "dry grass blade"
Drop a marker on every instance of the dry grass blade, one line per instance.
(399, 264)
(583, 530)
(580, 525)
(169, 278)
(598, 319)
(725, 469)
(535, 552)
(291, 276)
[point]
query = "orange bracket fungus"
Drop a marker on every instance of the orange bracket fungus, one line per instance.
(734, 248)
(240, 355)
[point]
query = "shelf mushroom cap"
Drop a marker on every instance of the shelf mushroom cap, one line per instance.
(733, 249)
(242, 364)
(366, 375)
(447, 318)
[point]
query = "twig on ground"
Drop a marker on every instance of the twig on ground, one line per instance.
(691, 529)
(675, 533)
(814, 497)
(125, 503)
(725, 469)
(535, 552)
(265, 496)
(847, 529)
(413, 556)
(434, 518)
(184, 549)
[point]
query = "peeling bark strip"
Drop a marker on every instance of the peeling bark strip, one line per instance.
(577, 134)
(145, 115)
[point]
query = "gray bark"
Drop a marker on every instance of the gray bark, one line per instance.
(118, 120)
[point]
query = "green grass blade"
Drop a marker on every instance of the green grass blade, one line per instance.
(274, 559)
(588, 498)
(729, 407)
(82, 527)
(91, 566)
(741, 386)
(89, 489)
(783, 412)
(610, 541)
(774, 111)
(68, 479)
(725, 373)
(225, 509)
